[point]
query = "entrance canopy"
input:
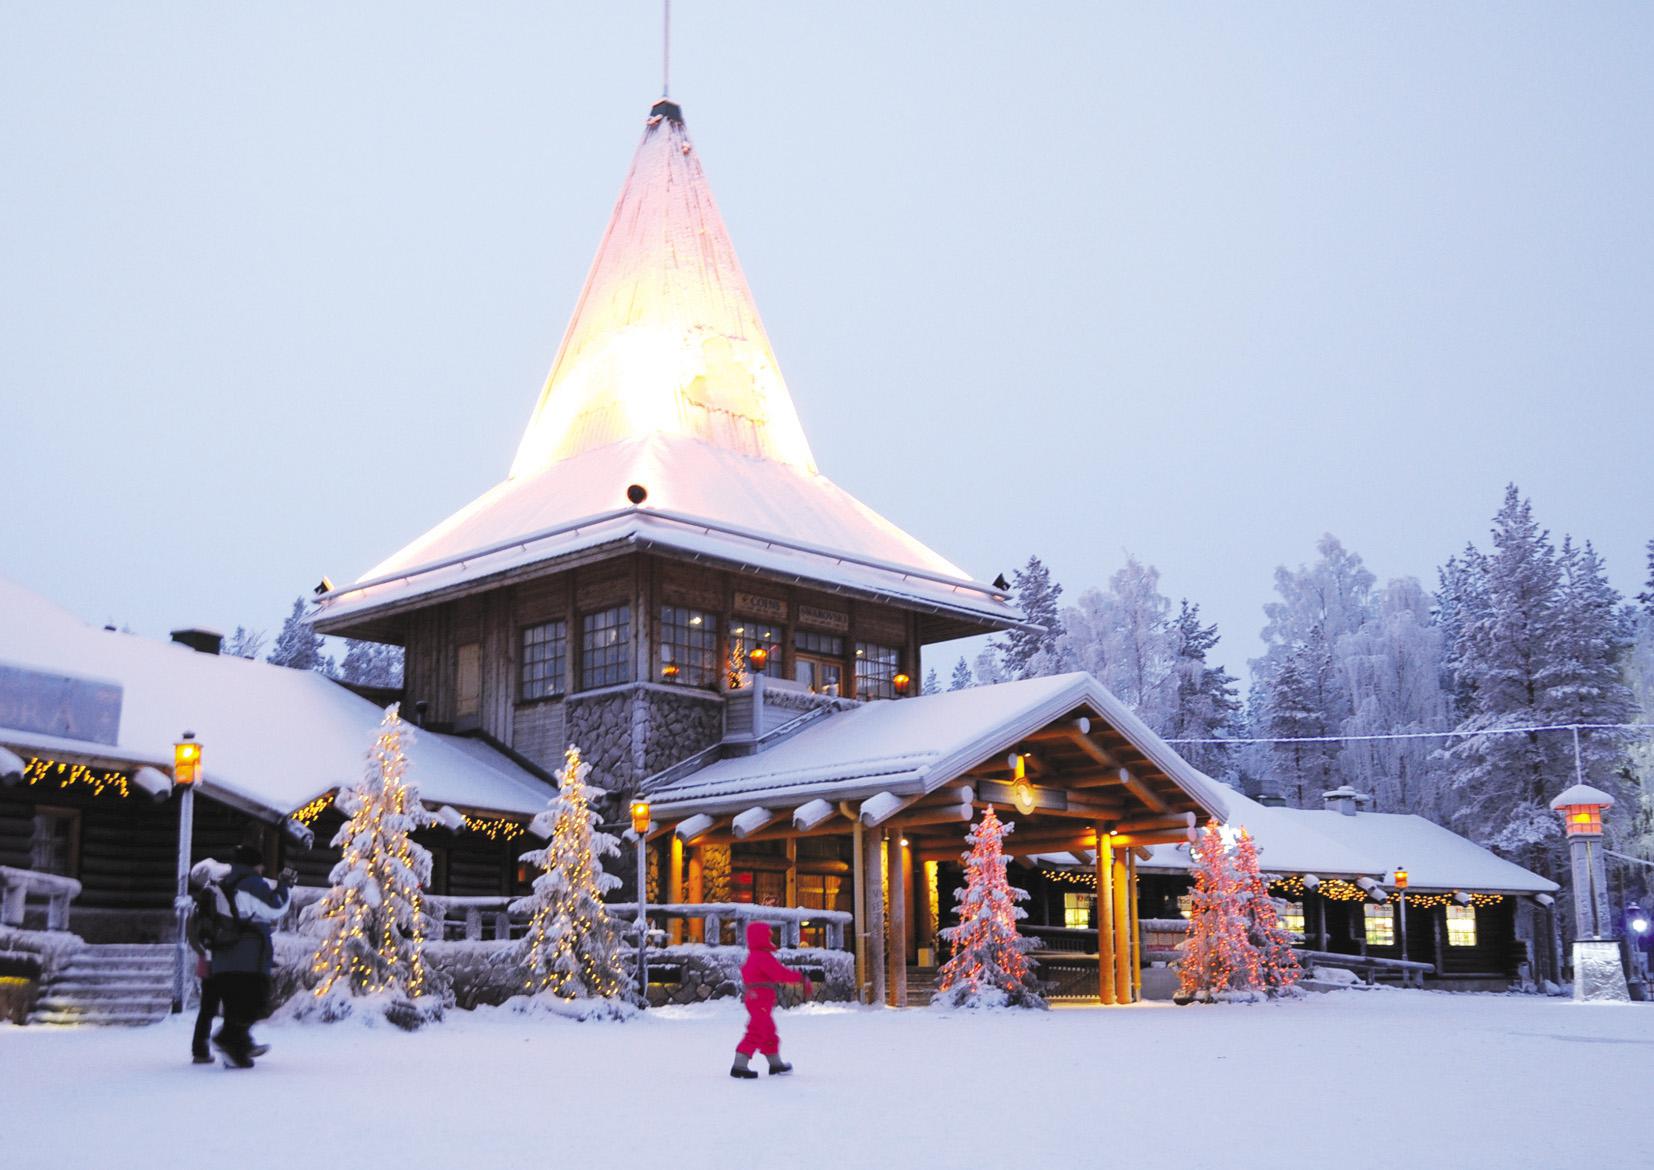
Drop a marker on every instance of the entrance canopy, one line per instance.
(928, 763)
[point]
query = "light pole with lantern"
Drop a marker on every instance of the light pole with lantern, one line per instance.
(640, 826)
(1401, 901)
(186, 771)
(1598, 974)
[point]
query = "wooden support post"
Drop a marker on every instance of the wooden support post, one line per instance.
(898, 920)
(923, 910)
(858, 905)
(1122, 928)
(674, 885)
(1105, 920)
(791, 893)
(1132, 893)
(697, 890)
(874, 871)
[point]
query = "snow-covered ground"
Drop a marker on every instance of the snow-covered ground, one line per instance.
(1386, 1079)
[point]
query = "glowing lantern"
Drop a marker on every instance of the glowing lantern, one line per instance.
(640, 817)
(186, 761)
(669, 671)
(901, 682)
(758, 658)
(1581, 808)
(1022, 792)
(1401, 878)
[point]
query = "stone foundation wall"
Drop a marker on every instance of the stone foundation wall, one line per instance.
(601, 727)
(679, 725)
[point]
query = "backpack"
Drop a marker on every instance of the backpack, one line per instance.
(217, 923)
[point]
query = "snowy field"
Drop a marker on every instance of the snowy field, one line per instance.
(1371, 1079)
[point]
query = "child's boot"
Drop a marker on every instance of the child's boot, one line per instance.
(741, 1069)
(777, 1065)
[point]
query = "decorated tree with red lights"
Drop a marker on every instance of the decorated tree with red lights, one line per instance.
(1275, 969)
(1218, 957)
(990, 966)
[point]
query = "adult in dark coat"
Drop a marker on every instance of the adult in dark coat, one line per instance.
(202, 876)
(243, 968)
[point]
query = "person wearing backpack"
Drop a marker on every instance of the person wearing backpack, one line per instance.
(242, 968)
(207, 929)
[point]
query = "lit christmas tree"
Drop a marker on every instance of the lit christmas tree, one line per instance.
(573, 950)
(373, 918)
(1275, 970)
(1217, 956)
(989, 966)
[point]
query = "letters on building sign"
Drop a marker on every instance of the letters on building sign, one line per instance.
(753, 605)
(824, 619)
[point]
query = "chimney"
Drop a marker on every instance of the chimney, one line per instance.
(202, 641)
(1271, 800)
(1345, 799)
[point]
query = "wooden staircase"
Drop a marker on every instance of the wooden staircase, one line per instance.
(921, 985)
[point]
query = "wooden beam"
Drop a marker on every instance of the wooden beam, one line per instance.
(858, 901)
(876, 810)
(1105, 920)
(745, 824)
(1091, 747)
(674, 885)
(1143, 792)
(898, 922)
(952, 814)
(873, 876)
(1122, 927)
(698, 826)
(813, 814)
(1156, 824)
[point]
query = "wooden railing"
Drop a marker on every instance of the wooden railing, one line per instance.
(16, 887)
(491, 918)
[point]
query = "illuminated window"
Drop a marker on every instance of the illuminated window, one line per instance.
(1381, 924)
(1076, 910)
(1461, 926)
(606, 647)
(545, 660)
(818, 891)
(688, 646)
(876, 670)
(1186, 905)
(1291, 915)
(820, 661)
(744, 637)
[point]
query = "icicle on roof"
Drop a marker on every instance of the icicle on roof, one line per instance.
(665, 338)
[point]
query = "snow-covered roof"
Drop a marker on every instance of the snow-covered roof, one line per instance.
(665, 379)
(1328, 843)
(917, 745)
(272, 738)
(1582, 794)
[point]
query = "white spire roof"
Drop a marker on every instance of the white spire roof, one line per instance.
(665, 380)
(665, 337)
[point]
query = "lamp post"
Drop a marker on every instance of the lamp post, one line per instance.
(1401, 900)
(1598, 974)
(186, 770)
(640, 826)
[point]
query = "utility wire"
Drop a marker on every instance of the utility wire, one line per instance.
(1576, 727)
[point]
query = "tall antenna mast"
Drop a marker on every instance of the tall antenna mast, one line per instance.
(666, 49)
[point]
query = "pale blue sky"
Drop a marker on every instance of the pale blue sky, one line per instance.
(279, 284)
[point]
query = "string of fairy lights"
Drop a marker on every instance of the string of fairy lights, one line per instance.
(987, 948)
(1292, 887)
(42, 772)
(502, 829)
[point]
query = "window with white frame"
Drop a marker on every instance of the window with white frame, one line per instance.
(1381, 924)
(1461, 926)
(688, 646)
(876, 670)
(544, 663)
(606, 647)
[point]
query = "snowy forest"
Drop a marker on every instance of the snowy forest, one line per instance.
(1522, 633)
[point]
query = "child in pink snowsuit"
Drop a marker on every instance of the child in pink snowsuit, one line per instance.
(761, 976)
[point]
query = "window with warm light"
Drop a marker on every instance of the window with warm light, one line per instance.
(876, 670)
(542, 670)
(1381, 924)
(1461, 926)
(606, 647)
(1291, 917)
(1186, 905)
(819, 661)
(745, 637)
(688, 646)
(1076, 910)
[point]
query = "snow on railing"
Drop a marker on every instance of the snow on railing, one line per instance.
(56, 890)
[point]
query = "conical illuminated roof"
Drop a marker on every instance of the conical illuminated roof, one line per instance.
(665, 338)
(665, 425)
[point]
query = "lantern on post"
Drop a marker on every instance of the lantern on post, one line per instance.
(901, 682)
(186, 772)
(758, 658)
(1401, 900)
(640, 827)
(1022, 792)
(1597, 971)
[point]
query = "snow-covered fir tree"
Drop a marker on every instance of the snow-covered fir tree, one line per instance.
(244, 643)
(299, 645)
(1646, 597)
(988, 670)
(989, 966)
(962, 678)
(1033, 653)
(1391, 668)
(1295, 770)
(933, 682)
(1216, 955)
(371, 664)
(1122, 635)
(1586, 677)
(373, 918)
(1460, 600)
(573, 950)
(1205, 704)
